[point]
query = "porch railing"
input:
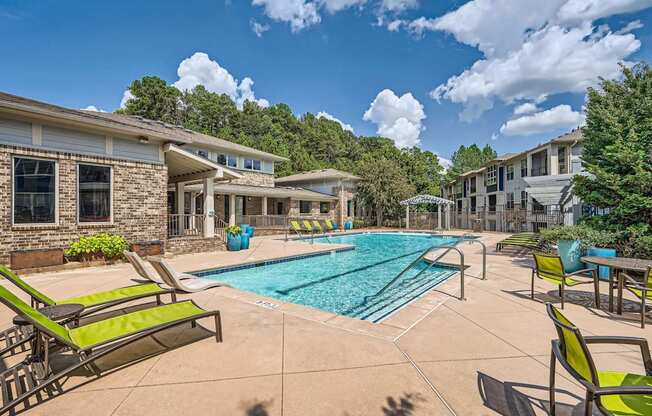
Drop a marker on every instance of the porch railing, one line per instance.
(263, 221)
(220, 226)
(185, 224)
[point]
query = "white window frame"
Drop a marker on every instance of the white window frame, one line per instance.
(227, 157)
(56, 193)
(510, 173)
(110, 222)
(492, 177)
(253, 169)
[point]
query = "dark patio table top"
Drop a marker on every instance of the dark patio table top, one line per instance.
(621, 263)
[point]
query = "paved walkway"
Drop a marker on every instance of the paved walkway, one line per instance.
(487, 355)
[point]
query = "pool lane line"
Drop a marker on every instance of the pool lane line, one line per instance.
(359, 269)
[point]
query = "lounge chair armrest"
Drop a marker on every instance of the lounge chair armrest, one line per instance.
(629, 279)
(641, 342)
(638, 390)
(637, 287)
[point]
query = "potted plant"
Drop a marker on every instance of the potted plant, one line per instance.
(233, 240)
(244, 237)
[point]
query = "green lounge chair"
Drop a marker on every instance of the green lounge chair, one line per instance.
(93, 302)
(550, 268)
(614, 393)
(296, 227)
(88, 342)
(329, 225)
(642, 290)
(307, 226)
(317, 226)
(530, 241)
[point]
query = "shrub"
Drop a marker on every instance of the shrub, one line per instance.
(108, 246)
(634, 242)
(233, 229)
(358, 223)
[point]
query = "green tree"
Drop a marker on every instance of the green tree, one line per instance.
(618, 153)
(383, 187)
(469, 158)
(155, 100)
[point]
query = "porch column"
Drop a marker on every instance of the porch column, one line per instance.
(439, 217)
(209, 207)
(343, 206)
(180, 207)
(232, 209)
(264, 205)
(448, 222)
(407, 217)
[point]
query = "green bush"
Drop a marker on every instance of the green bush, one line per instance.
(233, 229)
(108, 246)
(633, 242)
(358, 223)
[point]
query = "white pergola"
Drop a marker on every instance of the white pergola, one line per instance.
(429, 199)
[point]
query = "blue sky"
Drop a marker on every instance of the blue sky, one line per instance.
(353, 59)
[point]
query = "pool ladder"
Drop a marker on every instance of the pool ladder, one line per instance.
(465, 238)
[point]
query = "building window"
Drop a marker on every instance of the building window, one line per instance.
(510, 200)
(252, 164)
(510, 172)
(474, 185)
(491, 175)
(228, 160)
(458, 189)
(202, 153)
(523, 168)
(305, 207)
(523, 200)
(35, 191)
(473, 203)
(324, 207)
(492, 203)
(563, 162)
(94, 193)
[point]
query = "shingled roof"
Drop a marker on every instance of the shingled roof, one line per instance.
(321, 174)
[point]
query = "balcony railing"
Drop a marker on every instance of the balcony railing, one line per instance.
(263, 221)
(185, 224)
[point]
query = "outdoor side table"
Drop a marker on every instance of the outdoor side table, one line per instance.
(618, 264)
(58, 313)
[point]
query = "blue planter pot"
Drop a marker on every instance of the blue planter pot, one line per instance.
(348, 225)
(244, 241)
(244, 228)
(233, 242)
(570, 252)
(250, 231)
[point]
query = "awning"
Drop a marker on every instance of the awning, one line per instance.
(184, 166)
(549, 190)
(268, 191)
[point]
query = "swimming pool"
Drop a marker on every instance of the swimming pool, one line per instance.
(346, 282)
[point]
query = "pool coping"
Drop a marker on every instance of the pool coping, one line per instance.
(259, 263)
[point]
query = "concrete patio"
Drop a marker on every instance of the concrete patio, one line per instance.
(487, 355)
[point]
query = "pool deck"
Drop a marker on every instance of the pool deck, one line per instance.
(487, 355)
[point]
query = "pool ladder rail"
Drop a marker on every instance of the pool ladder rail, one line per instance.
(461, 266)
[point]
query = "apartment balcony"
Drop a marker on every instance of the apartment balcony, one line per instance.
(540, 171)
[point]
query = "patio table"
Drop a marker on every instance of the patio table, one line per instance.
(618, 264)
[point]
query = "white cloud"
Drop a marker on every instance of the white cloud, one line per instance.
(323, 114)
(399, 118)
(300, 14)
(334, 6)
(525, 108)
(126, 96)
(574, 11)
(397, 6)
(558, 117)
(199, 69)
(445, 163)
(258, 28)
(395, 25)
(93, 108)
(631, 26)
(550, 61)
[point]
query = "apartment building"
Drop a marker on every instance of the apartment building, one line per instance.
(522, 191)
(65, 173)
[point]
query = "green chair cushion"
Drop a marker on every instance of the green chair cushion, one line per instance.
(629, 404)
(639, 293)
(553, 279)
(101, 332)
(115, 294)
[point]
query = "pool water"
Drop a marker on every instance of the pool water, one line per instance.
(346, 282)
